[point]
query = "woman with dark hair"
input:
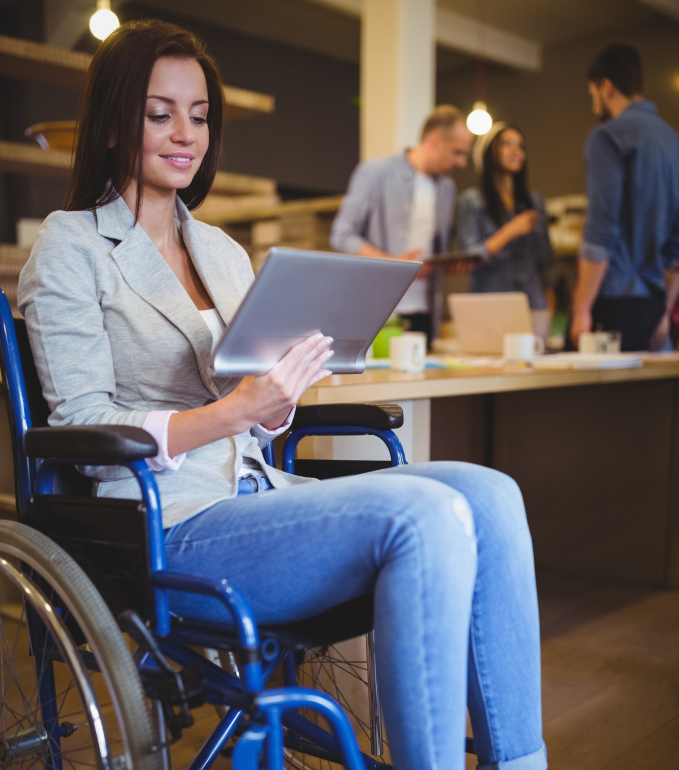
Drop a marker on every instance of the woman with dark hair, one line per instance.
(124, 295)
(504, 222)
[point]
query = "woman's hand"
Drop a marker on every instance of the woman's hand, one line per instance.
(522, 224)
(268, 398)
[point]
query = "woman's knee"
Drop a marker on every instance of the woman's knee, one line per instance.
(495, 498)
(425, 512)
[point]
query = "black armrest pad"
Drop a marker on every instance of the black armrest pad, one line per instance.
(376, 416)
(98, 443)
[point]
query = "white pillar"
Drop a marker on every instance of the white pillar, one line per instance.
(397, 73)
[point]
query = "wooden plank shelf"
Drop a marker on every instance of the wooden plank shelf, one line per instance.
(27, 60)
(326, 205)
(20, 158)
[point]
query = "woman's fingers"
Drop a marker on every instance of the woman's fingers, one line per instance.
(302, 355)
(320, 376)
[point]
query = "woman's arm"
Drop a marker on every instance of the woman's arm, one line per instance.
(265, 400)
(522, 224)
(471, 237)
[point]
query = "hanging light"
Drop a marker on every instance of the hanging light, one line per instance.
(479, 121)
(103, 20)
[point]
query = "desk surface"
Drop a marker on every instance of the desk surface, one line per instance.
(385, 385)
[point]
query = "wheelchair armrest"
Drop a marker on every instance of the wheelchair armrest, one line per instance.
(375, 416)
(105, 444)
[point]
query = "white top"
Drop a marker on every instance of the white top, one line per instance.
(214, 324)
(420, 236)
(157, 422)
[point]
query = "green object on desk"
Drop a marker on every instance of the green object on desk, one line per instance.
(381, 342)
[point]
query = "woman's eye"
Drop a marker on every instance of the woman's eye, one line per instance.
(158, 118)
(198, 120)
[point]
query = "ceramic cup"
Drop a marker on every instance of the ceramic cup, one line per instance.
(408, 352)
(522, 347)
(599, 342)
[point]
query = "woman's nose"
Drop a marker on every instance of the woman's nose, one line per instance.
(183, 131)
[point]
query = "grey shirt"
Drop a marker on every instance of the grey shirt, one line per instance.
(524, 264)
(377, 207)
(115, 336)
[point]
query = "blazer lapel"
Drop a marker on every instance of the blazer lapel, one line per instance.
(217, 274)
(148, 275)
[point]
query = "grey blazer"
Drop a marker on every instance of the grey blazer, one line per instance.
(377, 207)
(115, 336)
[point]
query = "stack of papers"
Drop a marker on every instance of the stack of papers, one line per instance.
(588, 361)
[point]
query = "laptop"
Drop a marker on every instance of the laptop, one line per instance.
(298, 293)
(481, 320)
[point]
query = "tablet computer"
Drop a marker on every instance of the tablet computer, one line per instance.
(298, 293)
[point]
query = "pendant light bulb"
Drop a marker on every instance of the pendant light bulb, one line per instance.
(479, 121)
(103, 20)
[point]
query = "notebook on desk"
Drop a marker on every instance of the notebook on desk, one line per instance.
(298, 293)
(482, 320)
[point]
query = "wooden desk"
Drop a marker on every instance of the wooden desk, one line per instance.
(596, 453)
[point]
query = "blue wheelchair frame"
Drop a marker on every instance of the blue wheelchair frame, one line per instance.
(269, 711)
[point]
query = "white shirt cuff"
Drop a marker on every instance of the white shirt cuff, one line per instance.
(157, 423)
(259, 430)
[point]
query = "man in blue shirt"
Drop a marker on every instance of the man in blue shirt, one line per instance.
(632, 230)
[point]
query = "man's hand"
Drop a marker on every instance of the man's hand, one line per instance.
(590, 277)
(661, 332)
(580, 323)
(410, 255)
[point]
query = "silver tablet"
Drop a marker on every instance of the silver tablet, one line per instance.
(297, 293)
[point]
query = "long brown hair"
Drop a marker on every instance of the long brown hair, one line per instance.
(113, 106)
(496, 208)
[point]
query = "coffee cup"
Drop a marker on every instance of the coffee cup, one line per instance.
(408, 352)
(599, 342)
(522, 347)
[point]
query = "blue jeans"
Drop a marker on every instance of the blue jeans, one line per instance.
(445, 548)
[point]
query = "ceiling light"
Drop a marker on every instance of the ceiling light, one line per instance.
(103, 20)
(479, 121)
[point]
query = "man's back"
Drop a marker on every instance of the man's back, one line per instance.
(633, 188)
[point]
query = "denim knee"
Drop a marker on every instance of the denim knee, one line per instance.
(425, 511)
(495, 499)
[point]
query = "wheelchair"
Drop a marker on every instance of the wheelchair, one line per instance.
(78, 692)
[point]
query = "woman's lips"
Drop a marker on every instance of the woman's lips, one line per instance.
(177, 161)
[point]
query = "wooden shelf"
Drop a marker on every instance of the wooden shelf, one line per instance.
(227, 183)
(27, 60)
(326, 205)
(20, 158)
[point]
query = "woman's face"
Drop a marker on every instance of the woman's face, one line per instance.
(176, 135)
(510, 151)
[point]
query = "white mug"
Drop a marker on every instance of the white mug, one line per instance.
(599, 342)
(408, 352)
(522, 347)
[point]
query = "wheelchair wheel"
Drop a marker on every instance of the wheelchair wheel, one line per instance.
(70, 694)
(340, 671)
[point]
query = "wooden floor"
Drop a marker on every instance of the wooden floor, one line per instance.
(610, 675)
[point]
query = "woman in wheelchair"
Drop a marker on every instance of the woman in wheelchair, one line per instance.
(123, 297)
